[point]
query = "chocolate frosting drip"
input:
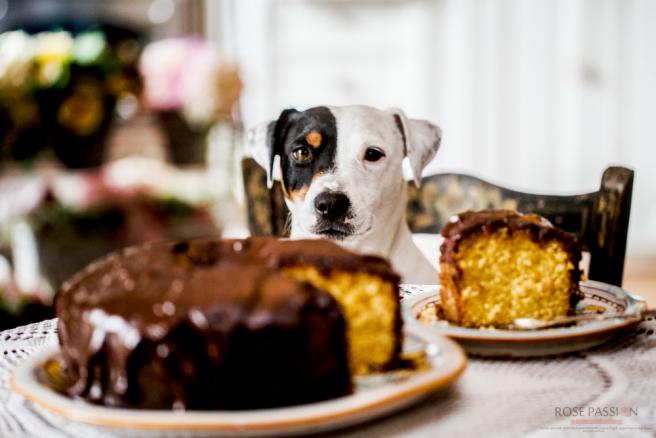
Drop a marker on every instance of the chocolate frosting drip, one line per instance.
(463, 225)
(207, 324)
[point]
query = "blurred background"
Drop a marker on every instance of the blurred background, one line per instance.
(122, 121)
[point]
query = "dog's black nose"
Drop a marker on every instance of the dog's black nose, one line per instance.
(332, 205)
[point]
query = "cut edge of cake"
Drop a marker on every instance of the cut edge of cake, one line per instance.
(499, 265)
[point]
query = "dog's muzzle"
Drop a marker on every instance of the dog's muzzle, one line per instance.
(332, 210)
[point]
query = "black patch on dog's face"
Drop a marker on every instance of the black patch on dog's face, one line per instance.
(296, 134)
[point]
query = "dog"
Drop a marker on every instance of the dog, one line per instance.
(341, 173)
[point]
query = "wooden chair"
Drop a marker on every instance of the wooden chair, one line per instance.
(600, 219)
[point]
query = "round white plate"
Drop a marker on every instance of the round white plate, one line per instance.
(374, 396)
(598, 298)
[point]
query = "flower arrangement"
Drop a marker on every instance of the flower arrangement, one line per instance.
(188, 75)
(53, 225)
(192, 88)
(58, 91)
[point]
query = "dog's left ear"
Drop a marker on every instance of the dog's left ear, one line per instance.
(265, 143)
(421, 139)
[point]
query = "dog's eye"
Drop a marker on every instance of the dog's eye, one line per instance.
(302, 154)
(373, 154)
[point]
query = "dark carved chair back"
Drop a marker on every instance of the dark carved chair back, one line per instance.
(600, 219)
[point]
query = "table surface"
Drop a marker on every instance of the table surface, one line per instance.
(494, 397)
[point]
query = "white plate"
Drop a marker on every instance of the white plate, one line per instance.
(374, 396)
(598, 298)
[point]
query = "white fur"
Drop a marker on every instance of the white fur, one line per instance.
(377, 190)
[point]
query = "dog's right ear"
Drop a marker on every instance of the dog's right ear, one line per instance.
(265, 143)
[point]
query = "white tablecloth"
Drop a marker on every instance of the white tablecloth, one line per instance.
(494, 397)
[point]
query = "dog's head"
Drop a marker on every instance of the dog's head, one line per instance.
(341, 167)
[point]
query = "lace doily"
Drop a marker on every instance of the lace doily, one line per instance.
(494, 397)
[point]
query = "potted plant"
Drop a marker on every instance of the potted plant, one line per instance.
(191, 87)
(58, 92)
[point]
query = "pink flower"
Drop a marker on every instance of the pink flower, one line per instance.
(186, 74)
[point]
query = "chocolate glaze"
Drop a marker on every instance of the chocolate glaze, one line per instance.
(321, 254)
(207, 324)
(540, 229)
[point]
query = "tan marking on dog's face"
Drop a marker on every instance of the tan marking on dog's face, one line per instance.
(313, 138)
(300, 193)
